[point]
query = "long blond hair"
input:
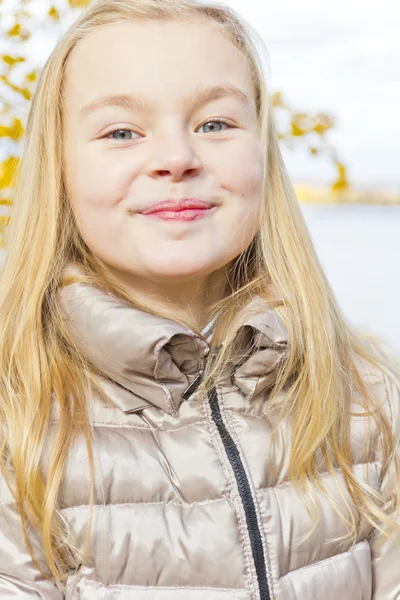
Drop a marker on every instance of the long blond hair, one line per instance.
(39, 363)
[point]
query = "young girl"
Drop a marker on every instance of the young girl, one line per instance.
(185, 413)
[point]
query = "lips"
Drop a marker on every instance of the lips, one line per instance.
(183, 215)
(176, 206)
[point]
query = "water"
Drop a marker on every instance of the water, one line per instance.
(359, 248)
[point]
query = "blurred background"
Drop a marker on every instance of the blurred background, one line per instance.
(334, 77)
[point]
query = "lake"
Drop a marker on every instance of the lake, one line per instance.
(359, 248)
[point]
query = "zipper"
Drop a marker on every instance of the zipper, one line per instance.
(246, 496)
(242, 481)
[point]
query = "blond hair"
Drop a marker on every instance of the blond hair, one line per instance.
(39, 363)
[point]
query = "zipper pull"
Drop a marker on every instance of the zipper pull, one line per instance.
(198, 379)
(192, 387)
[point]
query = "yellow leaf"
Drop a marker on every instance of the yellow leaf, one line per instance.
(320, 127)
(12, 60)
(7, 171)
(18, 31)
(32, 76)
(296, 130)
(78, 3)
(5, 106)
(24, 91)
(54, 14)
(277, 100)
(341, 182)
(15, 131)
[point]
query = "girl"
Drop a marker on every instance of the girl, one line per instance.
(144, 455)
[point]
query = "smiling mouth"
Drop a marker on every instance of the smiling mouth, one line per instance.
(184, 214)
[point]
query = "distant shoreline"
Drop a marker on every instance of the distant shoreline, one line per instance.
(319, 194)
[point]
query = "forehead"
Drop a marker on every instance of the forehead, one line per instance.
(162, 59)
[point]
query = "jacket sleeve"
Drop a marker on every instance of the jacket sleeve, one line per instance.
(386, 557)
(19, 577)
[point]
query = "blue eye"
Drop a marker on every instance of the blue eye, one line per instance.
(214, 123)
(119, 131)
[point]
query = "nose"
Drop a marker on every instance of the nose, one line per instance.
(173, 157)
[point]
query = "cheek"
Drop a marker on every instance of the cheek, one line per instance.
(93, 197)
(242, 177)
(94, 186)
(241, 172)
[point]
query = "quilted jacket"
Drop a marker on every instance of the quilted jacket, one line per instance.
(191, 503)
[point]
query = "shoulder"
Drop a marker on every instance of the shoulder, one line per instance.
(387, 386)
(376, 418)
(383, 381)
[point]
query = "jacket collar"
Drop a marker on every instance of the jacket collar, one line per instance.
(149, 360)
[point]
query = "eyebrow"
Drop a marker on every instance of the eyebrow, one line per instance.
(201, 96)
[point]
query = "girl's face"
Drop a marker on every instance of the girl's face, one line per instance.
(155, 111)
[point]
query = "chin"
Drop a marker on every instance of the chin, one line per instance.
(178, 266)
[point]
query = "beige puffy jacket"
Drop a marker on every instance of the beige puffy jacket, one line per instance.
(186, 506)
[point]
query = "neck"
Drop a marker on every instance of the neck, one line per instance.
(191, 300)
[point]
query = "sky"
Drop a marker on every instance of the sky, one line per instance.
(339, 57)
